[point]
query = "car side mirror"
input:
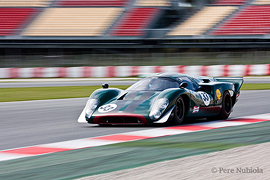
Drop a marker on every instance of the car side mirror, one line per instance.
(105, 86)
(183, 85)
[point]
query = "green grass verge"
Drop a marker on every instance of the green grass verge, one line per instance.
(256, 86)
(39, 93)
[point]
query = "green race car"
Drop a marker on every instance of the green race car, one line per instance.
(163, 98)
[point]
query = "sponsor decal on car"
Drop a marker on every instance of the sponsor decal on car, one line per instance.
(205, 97)
(107, 108)
(218, 94)
(196, 109)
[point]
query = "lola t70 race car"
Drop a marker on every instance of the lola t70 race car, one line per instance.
(163, 98)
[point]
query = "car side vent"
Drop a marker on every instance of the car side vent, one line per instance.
(206, 80)
(122, 97)
(206, 89)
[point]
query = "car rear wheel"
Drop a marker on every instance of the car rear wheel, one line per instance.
(226, 106)
(179, 111)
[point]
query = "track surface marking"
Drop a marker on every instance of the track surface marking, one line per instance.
(128, 136)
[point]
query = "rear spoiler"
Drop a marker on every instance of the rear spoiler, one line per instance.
(237, 81)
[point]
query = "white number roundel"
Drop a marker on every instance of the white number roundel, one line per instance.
(107, 108)
(205, 97)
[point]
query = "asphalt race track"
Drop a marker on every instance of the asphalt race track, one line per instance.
(29, 123)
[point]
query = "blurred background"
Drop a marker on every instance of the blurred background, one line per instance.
(71, 33)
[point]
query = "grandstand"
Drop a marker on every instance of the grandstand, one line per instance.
(13, 19)
(261, 2)
(152, 3)
(202, 21)
(252, 20)
(72, 22)
(138, 23)
(225, 18)
(25, 3)
(230, 2)
(83, 3)
(134, 22)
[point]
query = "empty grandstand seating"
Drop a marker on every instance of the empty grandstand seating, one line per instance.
(134, 22)
(24, 3)
(13, 19)
(75, 3)
(202, 21)
(152, 3)
(253, 20)
(261, 2)
(72, 18)
(73, 22)
(230, 2)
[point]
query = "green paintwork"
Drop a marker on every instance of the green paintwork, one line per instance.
(104, 95)
(236, 81)
(202, 97)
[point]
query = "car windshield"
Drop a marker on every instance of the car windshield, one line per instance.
(154, 84)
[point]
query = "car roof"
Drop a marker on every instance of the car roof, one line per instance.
(176, 76)
(172, 75)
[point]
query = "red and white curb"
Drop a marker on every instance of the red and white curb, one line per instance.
(125, 137)
(127, 71)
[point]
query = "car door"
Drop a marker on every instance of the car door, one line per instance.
(201, 100)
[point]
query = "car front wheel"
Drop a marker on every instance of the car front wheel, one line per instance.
(179, 111)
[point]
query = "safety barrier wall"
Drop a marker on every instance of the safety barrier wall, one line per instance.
(127, 71)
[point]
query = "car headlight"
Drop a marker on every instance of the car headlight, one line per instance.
(158, 108)
(90, 107)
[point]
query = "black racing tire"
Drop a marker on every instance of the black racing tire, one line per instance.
(226, 108)
(179, 111)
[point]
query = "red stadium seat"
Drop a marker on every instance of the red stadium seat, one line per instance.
(230, 2)
(134, 22)
(75, 3)
(254, 20)
(13, 19)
